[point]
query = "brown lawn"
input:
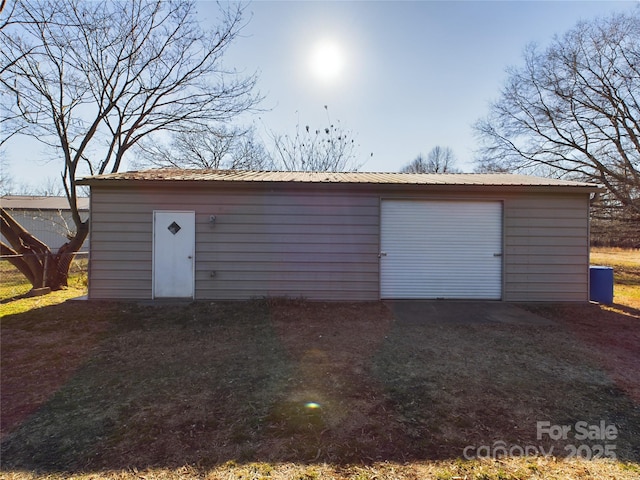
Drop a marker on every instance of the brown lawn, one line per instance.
(294, 389)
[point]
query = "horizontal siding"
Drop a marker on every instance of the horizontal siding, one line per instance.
(546, 278)
(268, 244)
(290, 289)
(113, 251)
(50, 227)
(545, 268)
(548, 286)
(319, 245)
(326, 266)
(222, 228)
(234, 243)
(549, 252)
(286, 276)
(252, 219)
(546, 248)
(529, 230)
(259, 210)
(117, 290)
(142, 274)
(286, 257)
(289, 240)
(542, 223)
(548, 240)
(205, 198)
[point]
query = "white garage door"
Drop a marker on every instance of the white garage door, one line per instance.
(441, 249)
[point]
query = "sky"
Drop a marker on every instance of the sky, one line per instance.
(403, 77)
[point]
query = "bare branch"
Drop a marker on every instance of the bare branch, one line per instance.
(93, 79)
(213, 147)
(327, 149)
(572, 110)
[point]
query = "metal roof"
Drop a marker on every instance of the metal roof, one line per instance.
(378, 178)
(27, 202)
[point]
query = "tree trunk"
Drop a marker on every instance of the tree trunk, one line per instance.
(59, 264)
(35, 260)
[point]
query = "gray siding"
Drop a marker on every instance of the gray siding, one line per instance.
(547, 248)
(49, 226)
(546, 244)
(262, 244)
(320, 245)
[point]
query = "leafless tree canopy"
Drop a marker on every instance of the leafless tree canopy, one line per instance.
(438, 160)
(93, 78)
(573, 109)
(327, 149)
(3, 11)
(207, 148)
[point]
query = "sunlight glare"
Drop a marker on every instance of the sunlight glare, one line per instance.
(326, 60)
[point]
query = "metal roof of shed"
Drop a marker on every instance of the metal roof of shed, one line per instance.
(378, 178)
(32, 202)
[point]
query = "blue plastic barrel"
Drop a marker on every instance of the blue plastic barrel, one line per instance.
(601, 284)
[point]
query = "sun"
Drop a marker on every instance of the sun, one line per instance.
(327, 60)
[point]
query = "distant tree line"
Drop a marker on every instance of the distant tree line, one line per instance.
(438, 160)
(612, 224)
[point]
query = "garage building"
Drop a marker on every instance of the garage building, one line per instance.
(220, 235)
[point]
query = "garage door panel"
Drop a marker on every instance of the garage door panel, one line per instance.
(441, 249)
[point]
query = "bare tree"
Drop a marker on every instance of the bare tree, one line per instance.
(327, 149)
(439, 160)
(249, 153)
(6, 16)
(6, 181)
(573, 109)
(207, 148)
(92, 79)
(51, 187)
(7, 118)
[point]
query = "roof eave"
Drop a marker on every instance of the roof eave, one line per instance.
(150, 183)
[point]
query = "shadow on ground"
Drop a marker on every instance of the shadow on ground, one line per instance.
(91, 387)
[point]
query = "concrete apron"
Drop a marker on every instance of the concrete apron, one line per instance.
(412, 312)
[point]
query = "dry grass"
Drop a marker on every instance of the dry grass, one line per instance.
(25, 304)
(626, 271)
(290, 389)
(13, 283)
(14, 287)
(532, 468)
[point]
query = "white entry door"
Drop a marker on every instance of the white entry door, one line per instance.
(174, 239)
(441, 249)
